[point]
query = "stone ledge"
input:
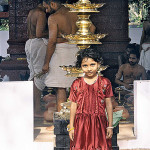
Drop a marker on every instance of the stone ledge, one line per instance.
(14, 65)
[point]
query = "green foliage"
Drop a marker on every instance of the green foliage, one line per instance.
(138, 2)
(4, 24)
(138, 11)
(3, 2)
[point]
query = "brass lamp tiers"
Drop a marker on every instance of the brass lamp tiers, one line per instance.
(72, 71)
(84, 39)
(84, 6)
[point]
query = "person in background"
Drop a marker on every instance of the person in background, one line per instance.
(35, 49)
(130, 71)
(145, 38)
(59, 53)
(124, 58)
(145, 46)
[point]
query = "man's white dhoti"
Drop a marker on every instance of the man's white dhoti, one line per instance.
(36, 50)
(64, 54)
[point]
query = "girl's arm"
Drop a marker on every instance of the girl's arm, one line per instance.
(72, 116)
(109, 110)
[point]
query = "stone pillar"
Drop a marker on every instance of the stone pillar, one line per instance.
(112, 20)
(18, 11)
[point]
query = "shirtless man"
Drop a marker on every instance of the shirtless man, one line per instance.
(35, 49)
(58, 52)
(131, 71)
(145, 46)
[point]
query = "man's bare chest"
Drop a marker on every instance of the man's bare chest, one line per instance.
(132, 73)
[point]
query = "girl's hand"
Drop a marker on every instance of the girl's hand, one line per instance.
(109, 133)
(71, 135)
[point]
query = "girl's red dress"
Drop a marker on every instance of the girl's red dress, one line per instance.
(90, 121)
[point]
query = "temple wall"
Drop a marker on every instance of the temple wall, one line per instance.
(112, 20)
(18, 11)
(141, 118)
(16, 115)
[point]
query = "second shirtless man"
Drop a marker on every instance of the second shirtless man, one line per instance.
(35, 49)
(130, 71)
(59, 53)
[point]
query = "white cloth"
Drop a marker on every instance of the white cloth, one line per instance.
(64, 54)
(123, 88)
(145, 56)
(36, 50)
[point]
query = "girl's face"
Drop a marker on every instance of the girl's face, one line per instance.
(89, 67)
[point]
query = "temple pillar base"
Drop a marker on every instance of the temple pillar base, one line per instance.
(16, 70)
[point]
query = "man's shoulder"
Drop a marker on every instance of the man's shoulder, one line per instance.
(65, 12)
(52, 18)
(56, 15)
(37, 11)
(140, 67)
(124, 66)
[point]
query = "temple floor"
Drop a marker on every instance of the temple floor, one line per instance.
(40, 132)
(126, 127)
(43, 135)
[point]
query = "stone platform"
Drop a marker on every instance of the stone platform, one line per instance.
(43, 135)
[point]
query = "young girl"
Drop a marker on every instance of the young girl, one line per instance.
(90, 95)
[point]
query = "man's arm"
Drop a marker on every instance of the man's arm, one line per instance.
(118, 77)
(41, 25)
(52, 25)
(144, 76)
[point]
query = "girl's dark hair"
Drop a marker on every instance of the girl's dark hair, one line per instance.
(87, 53)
